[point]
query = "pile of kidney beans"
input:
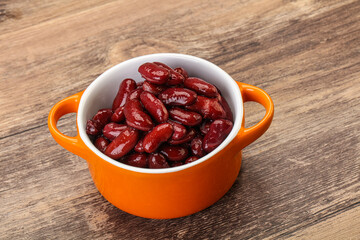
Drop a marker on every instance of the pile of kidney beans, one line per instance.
(168, 120)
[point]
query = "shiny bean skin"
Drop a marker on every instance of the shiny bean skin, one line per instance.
(185, 117)
(118, 115)
(178, 97)
(174, 153)
(226, 107)
(209, 108)
(196, 147)
(182, 72)
(139, 146)
(135, 94)
(154, 89)
(154, 73)
(92, 128)
(159, 134)
(191, 159)
(204, 127)
(201, 87)
(101, 143)
(179, 130)
(112, 130)
(189, 136)
(175, 77)
(136, 117)
(125, 88)
(154, 106)
(137, 160)
(123, 143)
(157, 160)
(219, 130)
(103, 116)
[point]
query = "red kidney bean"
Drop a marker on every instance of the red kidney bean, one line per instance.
(103, 116)
(191, 159)
(219, 130)
(201, 87)
(190, 135)
(118, 115)
(139, 84)
(163, 65)
(123, 143)
(179, 130)
(176, 164)
(204, 127)
(92, 128)
(101, 143)
(182, 72)
(136, 117)
(178, 97)
(154, 73)
(226, 107)
(210, 108)
(137, 160)
(156, 160)
(196, 147)
(175, 77)
(174, 153)
(154, 89)
(139, 146)
(135, 94)
(185, 117)
(112, 130)
(154, 106)
(125, 88)
(159, 134)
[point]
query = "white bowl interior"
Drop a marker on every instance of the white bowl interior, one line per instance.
(101, 93)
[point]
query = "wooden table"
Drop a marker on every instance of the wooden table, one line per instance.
(300, 180)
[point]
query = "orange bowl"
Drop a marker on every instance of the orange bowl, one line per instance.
(170, 192)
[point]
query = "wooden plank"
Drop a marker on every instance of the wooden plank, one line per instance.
(299, 180)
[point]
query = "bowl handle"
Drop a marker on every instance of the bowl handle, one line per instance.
(255, 94)
(65, 106)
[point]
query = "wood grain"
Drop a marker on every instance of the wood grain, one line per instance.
(300, 180)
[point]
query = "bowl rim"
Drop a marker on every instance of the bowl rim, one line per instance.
(236, 125)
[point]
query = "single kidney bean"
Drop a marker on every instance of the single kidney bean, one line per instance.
(137, 160)
(178, 97)
(112, 130)
(179, 130)
(154, 73)
(92, 128)
(219, 130)
(189, 136)
(118, 115)
(101, 143)
(103, 116)
(139, 147)
(159, 134)
(174, 153)
(136, 117)
(182, 72)
(210, 108)
(126, 86)
(135, 94)
(204, 127)
(185, 117)
(156, 160)
(175, 77)
(226, 107)
(154, 89)
(196, 147)
(123, 143)
(201, 87)
(154, 106)
(176, 164)
(191, 159)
